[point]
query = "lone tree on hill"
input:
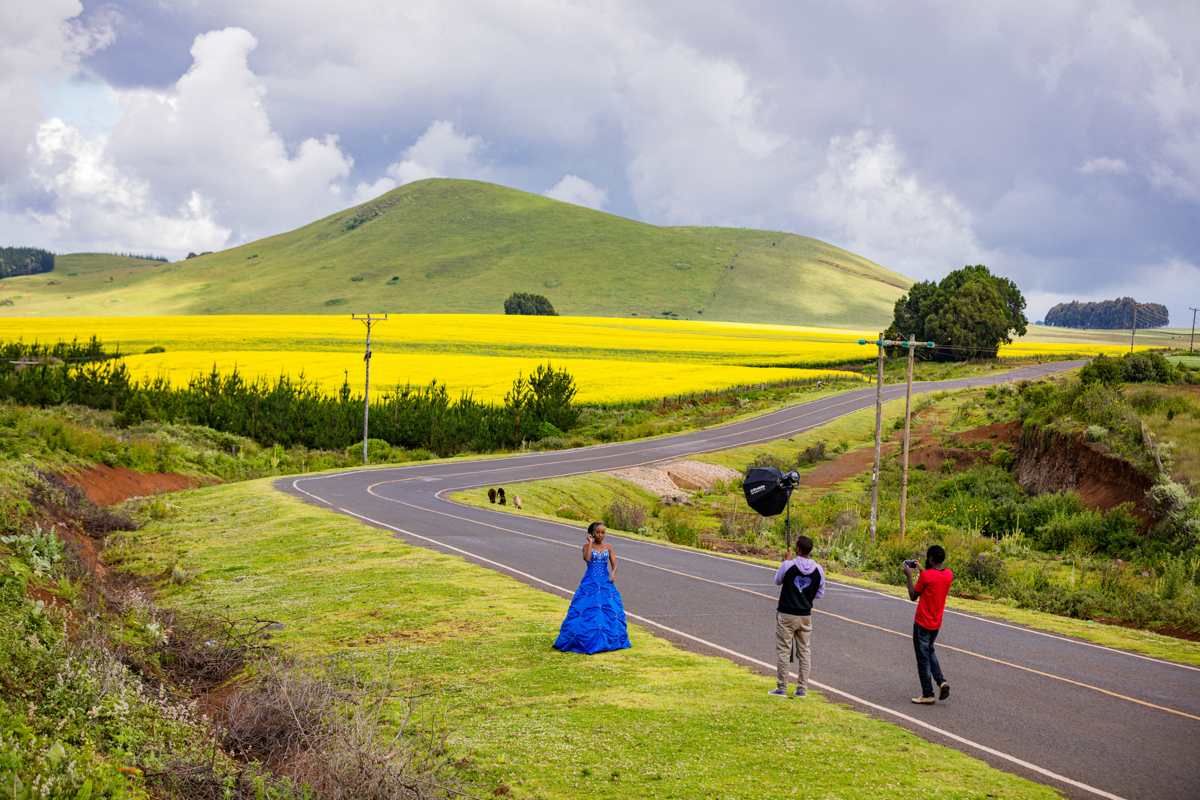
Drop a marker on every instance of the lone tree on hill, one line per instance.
(969, 314)
(529, 304)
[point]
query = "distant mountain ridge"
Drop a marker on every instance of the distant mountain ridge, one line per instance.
(451, 246)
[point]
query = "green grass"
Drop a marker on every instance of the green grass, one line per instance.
(1192, 360)
(463, 247)
(1151, 337)
(649, 721)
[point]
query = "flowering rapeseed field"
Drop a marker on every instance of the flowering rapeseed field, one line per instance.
(612, 360)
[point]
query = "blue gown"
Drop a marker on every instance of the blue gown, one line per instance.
(596, 619)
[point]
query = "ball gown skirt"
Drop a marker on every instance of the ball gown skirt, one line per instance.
(596, 619)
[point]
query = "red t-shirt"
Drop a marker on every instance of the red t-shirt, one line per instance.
(933, 585)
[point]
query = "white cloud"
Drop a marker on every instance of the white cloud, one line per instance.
(194, 166)
(366, 192)
(40, 42)
(441, 152)
(1103, 164)
(573, 189)
(871, 205)
(210, 133)
(99, 208)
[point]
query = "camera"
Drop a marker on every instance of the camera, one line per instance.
(910, 564)
(789, 480)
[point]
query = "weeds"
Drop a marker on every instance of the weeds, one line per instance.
(39, 549)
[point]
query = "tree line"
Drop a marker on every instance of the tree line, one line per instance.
(16, 261)
(295, 411)
(19, 351)
(1108, 314)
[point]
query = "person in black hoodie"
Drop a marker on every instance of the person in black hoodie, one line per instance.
(803, 581)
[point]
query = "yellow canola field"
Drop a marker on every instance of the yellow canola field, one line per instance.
(485, 334)
(611, 359)
(488, 378)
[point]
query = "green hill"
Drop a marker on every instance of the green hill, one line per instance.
(450, 246)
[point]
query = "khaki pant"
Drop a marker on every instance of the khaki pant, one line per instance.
(789, 628)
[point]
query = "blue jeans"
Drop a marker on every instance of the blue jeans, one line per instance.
(927, 662)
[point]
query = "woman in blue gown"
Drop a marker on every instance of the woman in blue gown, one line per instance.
(596, 619)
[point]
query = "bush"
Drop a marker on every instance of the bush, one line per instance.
(1003, 459)
(547, 430)
(1065, 527)
(1095, 433)
(983, 569)
(743, 526)
(811, 455)
(1148, 368)
(624, 515)
(677, 530)
(1101, 370)
(767, 460)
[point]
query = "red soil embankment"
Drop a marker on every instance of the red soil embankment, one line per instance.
(106, 486)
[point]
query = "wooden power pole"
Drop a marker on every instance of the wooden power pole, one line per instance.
(1192, 343)
(911, 344)
(878, 441)
(367, 320)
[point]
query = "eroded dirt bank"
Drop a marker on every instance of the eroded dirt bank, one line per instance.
(1103, 481)
(106, 486)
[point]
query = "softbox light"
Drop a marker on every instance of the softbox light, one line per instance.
(767, 490)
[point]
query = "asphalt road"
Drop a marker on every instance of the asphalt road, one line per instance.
(1088, 720)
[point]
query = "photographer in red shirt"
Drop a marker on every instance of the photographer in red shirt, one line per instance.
(930, 595)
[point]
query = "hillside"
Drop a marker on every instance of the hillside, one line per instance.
(450, 246)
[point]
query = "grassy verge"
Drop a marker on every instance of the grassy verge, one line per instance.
(649, 721)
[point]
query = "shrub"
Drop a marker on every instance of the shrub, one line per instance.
(1063, 527)
(984, 569)
(1003, 459)
(1101, 370)
(1148, 368)
(677, 530)
(1095, 433)
(624, 515)
(742, 526)
(547, 430)
(158, 348)
(812, 455)
(767, 460)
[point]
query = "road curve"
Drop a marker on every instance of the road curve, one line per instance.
(1089, 720)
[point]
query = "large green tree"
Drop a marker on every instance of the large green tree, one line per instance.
(531, 304)
(969, 314)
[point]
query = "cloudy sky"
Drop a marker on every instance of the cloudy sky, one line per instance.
(1056, 141)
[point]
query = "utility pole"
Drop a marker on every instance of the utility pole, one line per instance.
(878, 442)
(1134, 333)
(1192, 343)
(367, 320)
(911, 344)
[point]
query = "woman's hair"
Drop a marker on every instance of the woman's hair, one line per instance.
(593, 526)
